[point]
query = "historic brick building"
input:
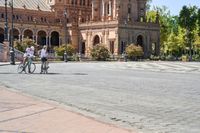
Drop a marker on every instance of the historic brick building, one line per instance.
(114, 23)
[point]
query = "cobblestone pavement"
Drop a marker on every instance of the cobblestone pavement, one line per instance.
(175, 67)
(152, 97)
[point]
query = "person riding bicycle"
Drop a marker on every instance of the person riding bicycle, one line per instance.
(29, 53)
(43, 56)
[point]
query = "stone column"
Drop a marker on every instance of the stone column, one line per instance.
(8, 36)
(106, 37)
(60, 41)
(36, 39)
(103, 10)
(116, 51)
(92, 10)
(22, 37)
(49, 41)
(33, 36)
(5, 53)
(114, 9)
(110, 8)
(19, 36)
(158, 44)
(148, 45)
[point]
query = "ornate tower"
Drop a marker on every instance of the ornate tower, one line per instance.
(131, 10)
(78, 11)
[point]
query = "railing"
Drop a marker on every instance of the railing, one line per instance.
(18, 54)
(1, 48)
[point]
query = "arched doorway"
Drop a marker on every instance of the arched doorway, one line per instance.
(28, 34)
(83, 48)
(140, 40)
(55, 38)
(41, 40)
(96, 40)
(1, 35)
(15, 34)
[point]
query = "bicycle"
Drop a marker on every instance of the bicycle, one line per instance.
(28, 67)
(44, 67)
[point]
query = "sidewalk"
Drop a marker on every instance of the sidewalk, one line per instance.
(20, 113)
(4, 63)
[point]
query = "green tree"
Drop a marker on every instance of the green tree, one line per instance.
(21, 46)
(175, 43)
(133, 51)
(188, 19)
(65, 47)
(165, 21)
(198, 19)
(148, 4)
(100, 52)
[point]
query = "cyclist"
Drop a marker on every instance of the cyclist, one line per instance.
(29, 53)
(43, 56)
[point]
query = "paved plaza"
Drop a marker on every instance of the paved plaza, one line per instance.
(147, 97)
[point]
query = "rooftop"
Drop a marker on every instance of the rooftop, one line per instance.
(28, 4)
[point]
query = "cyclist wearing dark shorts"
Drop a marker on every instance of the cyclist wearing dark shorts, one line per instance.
(43, 56)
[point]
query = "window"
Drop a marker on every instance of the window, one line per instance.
(112, 47)
(123, 46)
(88, 3)
(129, 8)
(108, 9)
(2, 15)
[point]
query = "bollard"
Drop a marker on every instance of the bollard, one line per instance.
(12, 57)
(65, 56)
(79, 56)
(125, 57)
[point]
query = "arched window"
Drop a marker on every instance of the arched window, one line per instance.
(96, 40)
(108, 9)
(129, 8)
(140, 40)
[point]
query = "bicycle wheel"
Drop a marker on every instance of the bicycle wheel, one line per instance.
(31, 68)
(20, 68)
(45, 68)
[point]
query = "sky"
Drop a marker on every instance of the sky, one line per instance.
(175, 5)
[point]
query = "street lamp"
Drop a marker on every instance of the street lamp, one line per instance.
(6, 22)
(65, 25)
(65, 28)
(12, 51)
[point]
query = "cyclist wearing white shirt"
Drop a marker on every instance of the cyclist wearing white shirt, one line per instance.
(29, 53)
(43, 56)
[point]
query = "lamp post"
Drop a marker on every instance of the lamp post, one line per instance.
(12, 51)
(6, 22)
(65, 25)
(65, 28)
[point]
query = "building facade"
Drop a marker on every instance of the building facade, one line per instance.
(84, 24)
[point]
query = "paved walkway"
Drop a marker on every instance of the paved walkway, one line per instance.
(20, 113)
(4, 63)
